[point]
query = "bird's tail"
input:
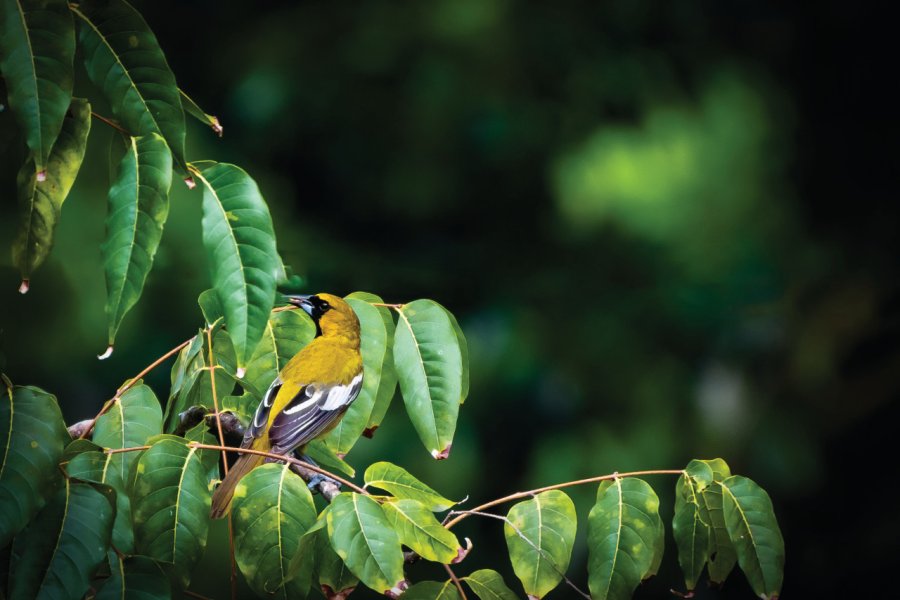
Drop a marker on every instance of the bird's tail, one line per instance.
(221, 498)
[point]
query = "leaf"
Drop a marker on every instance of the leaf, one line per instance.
(124, 60)
(210, 307)
(333, 576)
(61, 549)
(135, 577)
(240, 249)
(432, 590)
(540, 534)
(659, 548)
(198, 113)
(32, 437)
(690, 531)
(418, 529)
(400, 483)
(96, 467)
(170, 506)
(369, 548)
(755, 534)
(428, 361)
(721, 556)
(489, 585)
(464, 355)
(37, 47)
(138, 207)
(286, 333)
(319, 452)
(374, 348)
(132, 419)
(41, 202)
(622, 529)
(272, 510)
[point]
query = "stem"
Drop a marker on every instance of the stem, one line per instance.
(395, 307)
(110, 122)
(456, 582)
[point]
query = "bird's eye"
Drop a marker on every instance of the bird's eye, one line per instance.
(325, 306)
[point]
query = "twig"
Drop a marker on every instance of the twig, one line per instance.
(110, 122)
(456, 582)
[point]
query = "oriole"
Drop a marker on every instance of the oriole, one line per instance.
(308, 397)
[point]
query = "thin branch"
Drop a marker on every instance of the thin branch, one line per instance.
(456, 582)
(111, 123)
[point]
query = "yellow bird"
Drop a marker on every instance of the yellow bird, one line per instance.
(309, 396)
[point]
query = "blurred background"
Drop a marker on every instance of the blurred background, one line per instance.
(669, 231)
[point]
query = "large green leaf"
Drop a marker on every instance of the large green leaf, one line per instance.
(37, 46)
(240, 248)
(540, 534)
(755, 534)
(622, 531)
(32, 437)
(286, 333)
(138, 207)
(124, 60)
(56, 555)
(387, 380)
(132, 419)
(272, 509)
(400, 483)
(489, 585)
(335, 579)
(708, 475)
(359, 534)
(40, 203)
(134, 578)
(428, 361)
(690, 531)
(418, 529)
(96, 466)
(374, 349)
(170, 506)
(432, 590)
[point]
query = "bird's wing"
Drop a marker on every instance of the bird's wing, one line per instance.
(261, 416)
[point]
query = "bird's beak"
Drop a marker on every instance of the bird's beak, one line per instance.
(301, 301)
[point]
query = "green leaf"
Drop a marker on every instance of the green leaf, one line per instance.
(432, 590)
(135, 577)
(286, 333)
(319, 452)
(659, 548)
(210, 307)
(138, 207)
(37, 47)
(97, 467)
(334, 577)
(124, 60)
(690, 531)
(400, 483)
(540, 534)
(272, 510)
(32, 437)
(369, 548)
(429, 368)
(61, 549)
(240, 249)
(622, 530)
(418, 529)
(374, 349)
(755, 534)
(132, 419)
(198, 113)
(41, 202)
(464, 355)
(721, 556)
(489, 585)
(242, 406)
(170, 506)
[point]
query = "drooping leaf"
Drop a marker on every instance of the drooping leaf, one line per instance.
(622, 529)
(418, 529)
(400, 483)
(690, 531)
(138, 207)
(464, 355)
(359, 534)
(56, 555)
(271, 510)
(37, 47)
(721, 556)
(489, 585)
(240, 248)
(40, 203)
(170, 506)
(124, 60)
(432, 590)
(32, 437)
(191, 108)
(428, 361)
(96, 466)
(387, 381)
(286, 333)
(134, 578)
(374, 348)
(754, 532)
(540, 534)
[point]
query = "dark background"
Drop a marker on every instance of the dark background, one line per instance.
(669, 231)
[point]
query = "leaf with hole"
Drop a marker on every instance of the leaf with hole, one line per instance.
(399, 482)
(419, 530)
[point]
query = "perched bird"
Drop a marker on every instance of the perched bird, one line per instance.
(309, 396)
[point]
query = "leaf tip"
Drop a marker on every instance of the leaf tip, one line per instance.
(461, 552)
(330, 594)
(398, 589)
(24, 286)
(241, 371)
(107, 354)
(443, 454)
(369, 432)
(533, 597)
(42, 175)
(189, 182)
(216, 126)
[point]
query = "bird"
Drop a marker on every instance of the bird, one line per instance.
(308, 397)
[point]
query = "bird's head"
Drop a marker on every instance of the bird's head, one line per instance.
(332, 315)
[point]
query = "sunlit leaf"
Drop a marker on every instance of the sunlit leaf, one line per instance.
(134, 578)
(37, 47)
(540, 534)
(400, 483)
(286, 333)
(622, 530)
(138, 207)
(359, 534)
(489, 585)
(464, 356)
(721, 556)
(124, 60)
(132, 419)
(32, 437)
(191, 108)
(271, 510)
(428, 361)
(418, 529)
(432, 590)
(755, 534)
(690, 531)
(240, 248)
(40, 202)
